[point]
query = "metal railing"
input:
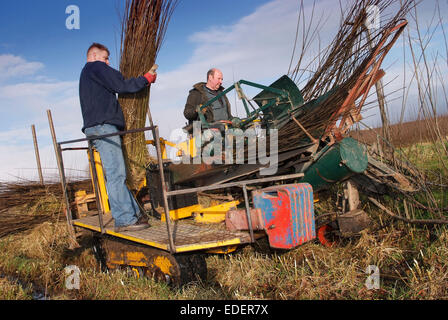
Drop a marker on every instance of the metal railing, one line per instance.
(165, 193)
(58, 150)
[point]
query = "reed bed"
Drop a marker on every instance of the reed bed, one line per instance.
(17, 193)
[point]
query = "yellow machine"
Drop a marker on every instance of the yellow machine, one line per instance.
(198, 229)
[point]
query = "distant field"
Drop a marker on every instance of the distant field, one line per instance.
(407, 133)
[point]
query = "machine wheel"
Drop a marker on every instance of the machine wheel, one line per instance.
(140, 260)
(325, 236)
(137, 272)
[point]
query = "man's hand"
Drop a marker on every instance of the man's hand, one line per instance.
(151, 75)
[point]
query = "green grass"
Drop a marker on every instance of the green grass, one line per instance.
(11, 290)
(431, 157)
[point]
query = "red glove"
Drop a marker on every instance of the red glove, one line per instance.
(151, 77)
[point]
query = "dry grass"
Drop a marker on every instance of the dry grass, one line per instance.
(413, 264)
(12, 290)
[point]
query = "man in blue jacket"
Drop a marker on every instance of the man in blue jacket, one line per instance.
(99, 85)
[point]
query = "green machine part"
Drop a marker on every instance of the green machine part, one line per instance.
(337, 163)
(276, 108)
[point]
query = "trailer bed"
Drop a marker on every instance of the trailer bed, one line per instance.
(188, 235)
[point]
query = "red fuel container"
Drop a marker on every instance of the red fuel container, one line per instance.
(288, 214)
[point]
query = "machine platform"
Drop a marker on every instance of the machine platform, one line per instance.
(188, 235)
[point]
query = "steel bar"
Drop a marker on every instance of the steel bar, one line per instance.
(249, 218)
(234, 184)
(57, 149)
(74, 149)
(208, 103)
(156, 137)
(36, 151)
(120, 133)
(262, 87)
(164, 190)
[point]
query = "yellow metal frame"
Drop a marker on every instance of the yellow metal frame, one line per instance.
(138, 259)
(213, 214)
(180, 249)
(187, 148)
(104, 199)
(182, 213)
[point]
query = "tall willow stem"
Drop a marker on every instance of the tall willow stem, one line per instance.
(143, 29)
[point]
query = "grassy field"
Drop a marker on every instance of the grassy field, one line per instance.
(412, 258)
(413, 264)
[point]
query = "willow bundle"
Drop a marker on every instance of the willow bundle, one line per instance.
(13, 194)
(25, 204)
(343, 62)
(11, 223)
(143, 29)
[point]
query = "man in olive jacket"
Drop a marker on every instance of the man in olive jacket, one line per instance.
(205, 91)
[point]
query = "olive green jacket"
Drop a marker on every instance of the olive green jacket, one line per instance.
(197, 96)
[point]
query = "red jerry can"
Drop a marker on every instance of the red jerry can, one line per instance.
(288, 214)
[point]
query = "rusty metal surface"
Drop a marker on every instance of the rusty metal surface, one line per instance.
(185, 232)
(157, 264)
(353, 222)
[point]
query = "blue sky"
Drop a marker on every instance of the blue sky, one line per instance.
(36, 30)
(40, 62)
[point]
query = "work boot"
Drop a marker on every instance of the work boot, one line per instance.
(141, 224)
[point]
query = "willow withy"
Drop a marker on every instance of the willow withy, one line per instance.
(143, 29)
(342, 64)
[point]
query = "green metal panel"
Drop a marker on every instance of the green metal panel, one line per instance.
(276, 106)
(284, 83)
(339, 162)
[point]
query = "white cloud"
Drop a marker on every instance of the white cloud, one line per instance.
(257, 48)
(13, 66)
(24, 104)
(31, 89)
(19, 162)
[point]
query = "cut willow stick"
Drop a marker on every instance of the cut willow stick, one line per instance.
(341, 65)
(143, 29)
(412, 221)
